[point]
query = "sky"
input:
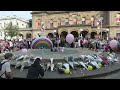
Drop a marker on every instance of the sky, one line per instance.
(23, 14)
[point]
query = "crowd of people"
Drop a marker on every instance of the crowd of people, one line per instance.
(36, 70)
(92, 44)
(14, 45)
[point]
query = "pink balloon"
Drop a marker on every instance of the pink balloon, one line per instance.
(24, 51)
(85, 41)
(69, 38)
(113, 43)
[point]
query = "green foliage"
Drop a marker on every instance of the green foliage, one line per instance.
(11, 30)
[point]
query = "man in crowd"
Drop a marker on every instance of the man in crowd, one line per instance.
(6, 70)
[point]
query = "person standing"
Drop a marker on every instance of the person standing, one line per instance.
(76, 42)
(6, 70)
(0, 47)
(81, 43)
(11, 45)
(28, 44)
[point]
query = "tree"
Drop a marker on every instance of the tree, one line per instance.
(11, 30)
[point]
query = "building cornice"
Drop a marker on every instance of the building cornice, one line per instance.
(114, 26)
(51, 12)
(11, 18)
(56, 12)
(105, 26)
(78, 25)
(25, 29)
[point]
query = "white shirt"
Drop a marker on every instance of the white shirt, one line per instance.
(5, 67)
(11, 44)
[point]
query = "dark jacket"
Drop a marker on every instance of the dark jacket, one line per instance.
(35, 71)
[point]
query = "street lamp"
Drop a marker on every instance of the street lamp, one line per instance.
(54, 32)
(101, 18)
(81, 33)
(107, 33)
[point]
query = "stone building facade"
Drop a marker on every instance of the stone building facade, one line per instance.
(17, 21)
(86, 23)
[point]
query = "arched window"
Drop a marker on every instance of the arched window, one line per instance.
(118, 17)
(21, 35)
(28, 35)
(83, 21)
(66, 21)
(92, 21)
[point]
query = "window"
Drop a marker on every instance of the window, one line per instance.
(51, 23)
(22, 24)
(39, 22)
(0, 25)
(4, 24)
(66, 21)
(17, 23)
(118, 17)
(59, 21)
(92, 21)
(0, 33)
(83, 21)
(75, 21)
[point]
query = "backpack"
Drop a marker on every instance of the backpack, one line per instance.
(1, 65)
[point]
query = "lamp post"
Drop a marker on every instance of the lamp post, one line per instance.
(54, 33)
(107, 33)
(101, 18)
(81, 33)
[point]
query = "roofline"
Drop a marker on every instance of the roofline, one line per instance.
(54, 12)
(14, 18)
(51, 12)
